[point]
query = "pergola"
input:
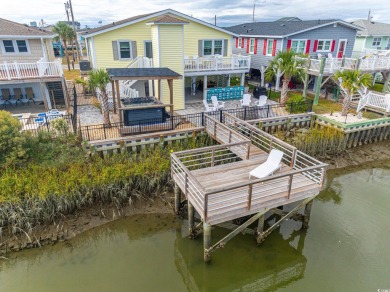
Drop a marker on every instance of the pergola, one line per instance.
(159, 74)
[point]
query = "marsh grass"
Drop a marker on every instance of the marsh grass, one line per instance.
(60, 181)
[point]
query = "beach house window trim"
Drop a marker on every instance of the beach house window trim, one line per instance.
(270, 47)
(252, 46)
(216, 48)
(376, 41)
(324, 45)
(19, 46)
(121, 50)
(298, 45)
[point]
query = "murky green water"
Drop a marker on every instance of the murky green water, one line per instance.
(346, 248)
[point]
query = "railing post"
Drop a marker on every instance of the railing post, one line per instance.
(250, 189)
(244, 113)
(212, 157)
(17, 69)
(186, 184)
(202, 119)
(248, 150)
(104, 128)
(7, 70)
(289, 186)
(89, 138)
(206, 202)
(293, 157)
(268, 110)
(215, 129)
(220, 116)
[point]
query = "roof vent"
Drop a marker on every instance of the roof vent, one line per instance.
(244, 25)
(282, 24)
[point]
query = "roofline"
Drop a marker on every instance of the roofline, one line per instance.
(304, 30)
(326, 24)
(158, 14)
(169, 23)
(28, 36)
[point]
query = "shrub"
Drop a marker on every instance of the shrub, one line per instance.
(60, 126)
(296, 104)
(12, 142)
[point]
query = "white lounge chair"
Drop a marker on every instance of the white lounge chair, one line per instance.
(246, 100)
(262, 101)
(272, 164)
(216, 103)
(209, 108)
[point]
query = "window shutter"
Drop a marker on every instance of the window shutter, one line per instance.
(255, 46)
(242, 42)
(288, 45)
(115, 50)
(200, 49)
(333, 45)
(274, 48)
(265, 47)
(133, 49)
(315, 46)
(307, 46)
(236, 42)
(225, 47)
(248, 42)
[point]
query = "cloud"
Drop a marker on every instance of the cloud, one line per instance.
(229, 12)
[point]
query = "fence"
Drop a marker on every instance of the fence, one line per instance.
(37, 124)
(115, 130)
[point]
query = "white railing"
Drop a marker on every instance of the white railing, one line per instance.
(216, 63)
(375, 63)
(15, 70)
(141, 62)
(374, 99)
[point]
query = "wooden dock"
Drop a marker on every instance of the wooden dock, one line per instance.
(215, 180)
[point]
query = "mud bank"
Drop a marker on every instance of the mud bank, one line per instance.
(73, 224)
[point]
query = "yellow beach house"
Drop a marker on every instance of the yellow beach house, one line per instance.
(197, 50)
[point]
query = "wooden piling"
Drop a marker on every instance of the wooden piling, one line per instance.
(191, 213)
(177, 198)
(259, 230)
(206, 241)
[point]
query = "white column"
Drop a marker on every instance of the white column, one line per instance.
(242, 80)
(262, 75)
(205, 87)
(277, 84)
(193, 85)
(228, 82)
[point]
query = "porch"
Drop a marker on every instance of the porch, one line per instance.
(215, 63)
(39, 69)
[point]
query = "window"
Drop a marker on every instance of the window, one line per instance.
(124, 50)
(298, 46)
(15, 46)
(212, 47)
(240, 42)
(270, 47)
(252, 46)
(22, 46)
(8, 46)
(324, 45)
(376, 42)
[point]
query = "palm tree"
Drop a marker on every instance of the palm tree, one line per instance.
(98, 79)
(65, 33)
(351, 81)
(290, 66)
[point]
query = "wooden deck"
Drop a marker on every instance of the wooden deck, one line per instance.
(216, 179)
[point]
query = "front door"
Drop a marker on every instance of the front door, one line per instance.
(148, 49)
(341, 49)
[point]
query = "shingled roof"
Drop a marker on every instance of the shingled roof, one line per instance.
(10, 28)
(373, 28)
(281, 28)
(168, 19)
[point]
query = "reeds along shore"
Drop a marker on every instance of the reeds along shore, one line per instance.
(39, 193)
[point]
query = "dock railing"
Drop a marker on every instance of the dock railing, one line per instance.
(250, 193)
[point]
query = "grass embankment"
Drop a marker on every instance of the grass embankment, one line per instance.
(56, 177)
(72, 74)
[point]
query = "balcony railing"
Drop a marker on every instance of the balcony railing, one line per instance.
(15, 70)
(216, 63)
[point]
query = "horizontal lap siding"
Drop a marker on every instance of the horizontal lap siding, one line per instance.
(328, 32)
(103, 43)
(35, 54)
(359, 44)
(193, 32)
(171, 56)
(257, 60)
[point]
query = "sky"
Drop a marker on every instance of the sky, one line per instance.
(228, 12)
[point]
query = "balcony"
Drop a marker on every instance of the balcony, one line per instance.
(237, 63)
(40, 69)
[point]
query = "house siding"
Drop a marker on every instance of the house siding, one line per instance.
(34, 54)
(258, 59)
(103, 43)
(382, 46)
(172, 56)
(327, 32)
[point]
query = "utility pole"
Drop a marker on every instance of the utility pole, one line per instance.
(254, 8)
(67, 7)
(215, 20)
(74, 27)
